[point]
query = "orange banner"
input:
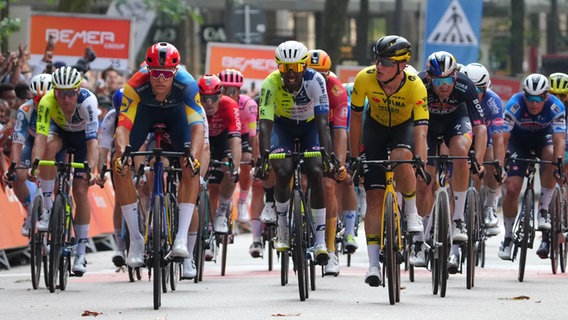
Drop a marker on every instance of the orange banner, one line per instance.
(347, 73)
(254, 62)
(108, 37)
(12, 215)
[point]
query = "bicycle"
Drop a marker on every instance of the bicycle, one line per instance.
(206, 238)
(36, 238)
(301, 229)
(559, 227)
(524, 232)
(60, 236)
(160, 228)
(391, 234)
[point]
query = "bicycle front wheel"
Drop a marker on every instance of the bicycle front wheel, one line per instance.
(202, 234)
(472, 232)
(156, 254)
(564, 229)
(56, 239)
(35, 243)
(389, 247)
(298, 243)
(555, 231)
(528, 204)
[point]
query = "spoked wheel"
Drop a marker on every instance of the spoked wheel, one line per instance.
(564, 229)
(389, 248)
(555, 231)
(224, 247)
(284, 264)
(298, 245)
(434, 251)
(56, 238)
(36, 243)
(445, 243)
(172, 215)
(269, 240)
(408, 239)
(203, 234)
(472, 232)
(64, 270)
(156, 254)
(528, 202)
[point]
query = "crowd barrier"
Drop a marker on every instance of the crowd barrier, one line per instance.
(12, 214)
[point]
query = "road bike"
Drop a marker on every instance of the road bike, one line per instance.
(559, 228)
(391, 234)
(301, 228)
(37, 239)
(61, 234)
(161, 222)
(524, 227)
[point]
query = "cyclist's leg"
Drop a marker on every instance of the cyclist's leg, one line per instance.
(547, 183)
(245, 181)
(256, 204)
(24, 189)
(281, 141)
(491, 194)
(348, 203)
(47, 176)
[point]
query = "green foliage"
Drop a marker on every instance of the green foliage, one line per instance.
(176, 10)
(7, 26)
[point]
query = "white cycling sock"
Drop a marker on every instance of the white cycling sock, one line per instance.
(256, 230)
(130, 215)
(185, 214)
(508, 222)
(282, 211)
(47, 189)
(460, 205)
(373, 253)
(119, 240)
(349, 218)
(545, 197)
(490, 196)
(318, 216)
(191, 239)
(82, 233)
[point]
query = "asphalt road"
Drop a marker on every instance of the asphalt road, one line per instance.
(250, 291)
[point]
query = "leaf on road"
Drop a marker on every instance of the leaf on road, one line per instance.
(516, 298)
(88, 313)
(286, 314)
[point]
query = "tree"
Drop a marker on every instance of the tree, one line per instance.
(334, 26)
(517, 36)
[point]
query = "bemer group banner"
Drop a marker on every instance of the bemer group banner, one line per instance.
(453, 26)
(108, 37)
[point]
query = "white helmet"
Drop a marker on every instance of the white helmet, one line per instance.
(291, 52)
(66, 78)
(535, 84)
(41, 84)
(477, 73)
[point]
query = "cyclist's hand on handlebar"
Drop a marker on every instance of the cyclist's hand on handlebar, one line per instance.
(235, 174)
(341, 173)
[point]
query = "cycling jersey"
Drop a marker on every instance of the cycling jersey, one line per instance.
(179, 111)
(83, 119)
(226, 119)
(338, 105)
(247, 111)
(493, 112)
(278, 104)
(518, 121)
(25, 122)
(463, 101)
(409, 101)
(106, 137)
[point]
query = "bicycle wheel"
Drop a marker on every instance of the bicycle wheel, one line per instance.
(446, 242)
(389, 253)
(434, 249)
(35, 243)
(471, 209)
(64, 269)
(225, 240)
(55, 240)
(268, 234)
(156, 254)
(555, 229)
(203, 234)
(528, 203)
(297, 243)
(284, 264)
(564, 229)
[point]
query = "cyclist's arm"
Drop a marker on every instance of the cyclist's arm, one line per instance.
(420, 142)
(266, 106)
(322, 125)
(233, 123)
(92, 153)
(559, 143)
(480, 141)
(42, 126)
(355, 127)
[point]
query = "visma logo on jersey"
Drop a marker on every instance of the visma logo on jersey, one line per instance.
(86, 37)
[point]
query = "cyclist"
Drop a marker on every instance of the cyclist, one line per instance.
(232, 81)
(23, 142)
(164, 94)
(493, 111)
(396, 119)
(225, 138)
(559, 86)
(534, 121)
(454, 108)
(67, 118)
(294, 105)
(320, 61)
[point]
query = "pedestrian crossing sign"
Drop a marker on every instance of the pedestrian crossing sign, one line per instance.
(453, 28)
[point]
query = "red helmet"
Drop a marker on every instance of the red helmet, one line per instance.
(162, 55)
(210, 84)
(231, 78)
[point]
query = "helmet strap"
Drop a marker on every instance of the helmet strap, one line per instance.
(398, 71)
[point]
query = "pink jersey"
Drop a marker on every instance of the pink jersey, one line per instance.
(247, 109)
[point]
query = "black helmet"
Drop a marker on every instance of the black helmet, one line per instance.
(394, 47)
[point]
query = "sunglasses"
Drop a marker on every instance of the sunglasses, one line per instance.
(385, 62)
(167, 74)
(481, 89)
(535, 98)
(212, 97)
(438, 82)
(296, 67)
(66, 93)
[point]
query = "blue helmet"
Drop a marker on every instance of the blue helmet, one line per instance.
(117, 99)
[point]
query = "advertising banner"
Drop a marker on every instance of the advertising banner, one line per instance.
(108, 37)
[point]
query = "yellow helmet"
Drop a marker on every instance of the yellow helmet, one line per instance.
(319, 60)
(558, 83)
